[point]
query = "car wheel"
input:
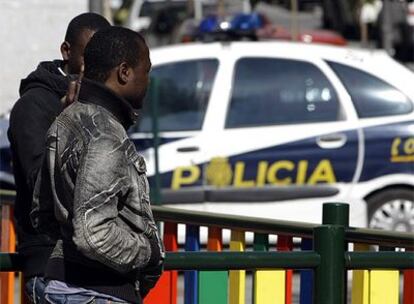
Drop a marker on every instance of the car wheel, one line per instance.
(392, 209)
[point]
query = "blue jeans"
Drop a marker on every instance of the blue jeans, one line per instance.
(76, 299)
(35, 289)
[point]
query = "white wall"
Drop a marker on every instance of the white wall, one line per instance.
(30, 31)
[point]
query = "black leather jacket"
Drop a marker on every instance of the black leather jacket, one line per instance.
(95, 182)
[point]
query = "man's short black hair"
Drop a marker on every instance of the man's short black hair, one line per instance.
(110, 47)
(86, 21)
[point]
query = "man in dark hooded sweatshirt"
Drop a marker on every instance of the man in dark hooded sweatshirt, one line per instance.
(41, 101)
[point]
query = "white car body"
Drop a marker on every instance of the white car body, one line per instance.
(214, 140)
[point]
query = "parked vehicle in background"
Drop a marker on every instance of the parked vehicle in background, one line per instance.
(410, 23)
(274, 129)
(302, 4)
(164, 15)
(142, 13)
(410, 17)
(392, 31)
(307, 36)
(253, 26)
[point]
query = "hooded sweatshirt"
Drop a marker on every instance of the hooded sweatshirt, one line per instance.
(31, 116)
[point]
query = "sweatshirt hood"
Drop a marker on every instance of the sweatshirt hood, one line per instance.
(48, 76)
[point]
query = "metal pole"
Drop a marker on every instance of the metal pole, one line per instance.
(335, 214)
(329, 242)
(386, 27)
(363, 26)
(294, 23)
(101, 7)
(221, 8)
(95, 6)
(156, 192)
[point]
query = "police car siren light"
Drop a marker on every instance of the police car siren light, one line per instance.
(247, 22)
(209, 24)
(239, 22)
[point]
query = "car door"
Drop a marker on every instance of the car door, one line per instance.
(285, 134)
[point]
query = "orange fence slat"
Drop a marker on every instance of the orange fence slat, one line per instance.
(214, 242)
(7, 244)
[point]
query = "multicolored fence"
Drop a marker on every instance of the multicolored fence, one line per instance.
(319, 256)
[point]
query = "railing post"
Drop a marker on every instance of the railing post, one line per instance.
(329, 242)
(335, 214)
(330, 274)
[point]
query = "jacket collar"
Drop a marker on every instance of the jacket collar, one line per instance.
(97, 93)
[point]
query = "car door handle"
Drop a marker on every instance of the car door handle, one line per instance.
(188, 149)
(331, 141)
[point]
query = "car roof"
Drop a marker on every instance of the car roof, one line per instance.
(376, 62)
(319, 50)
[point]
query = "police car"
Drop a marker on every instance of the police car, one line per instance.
(275, 129)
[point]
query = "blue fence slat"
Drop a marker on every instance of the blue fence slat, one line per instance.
(192, 243)
(306, 277)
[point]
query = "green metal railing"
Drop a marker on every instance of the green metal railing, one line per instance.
(332, 214)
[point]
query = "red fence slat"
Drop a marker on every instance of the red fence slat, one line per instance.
(166, 289)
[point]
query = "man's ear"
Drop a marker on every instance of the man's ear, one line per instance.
(123, 73)
(65, 50)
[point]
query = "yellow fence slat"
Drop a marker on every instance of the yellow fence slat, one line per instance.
(360, 281)
(269, 287)
(237, 278)
(384, 286)
(360, 287)
(374, 286)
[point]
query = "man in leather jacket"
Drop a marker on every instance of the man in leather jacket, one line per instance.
(39, 105)
(92, 192)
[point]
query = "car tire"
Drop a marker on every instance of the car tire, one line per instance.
(392, 209)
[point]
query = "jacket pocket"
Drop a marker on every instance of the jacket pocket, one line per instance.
(132, 219)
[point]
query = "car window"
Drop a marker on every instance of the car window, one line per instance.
(183, 90)
(269, 91)
(371, 96)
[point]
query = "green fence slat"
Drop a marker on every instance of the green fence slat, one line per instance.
(261, 242)
(213, 287)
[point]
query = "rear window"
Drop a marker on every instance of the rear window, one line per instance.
(372, 97)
